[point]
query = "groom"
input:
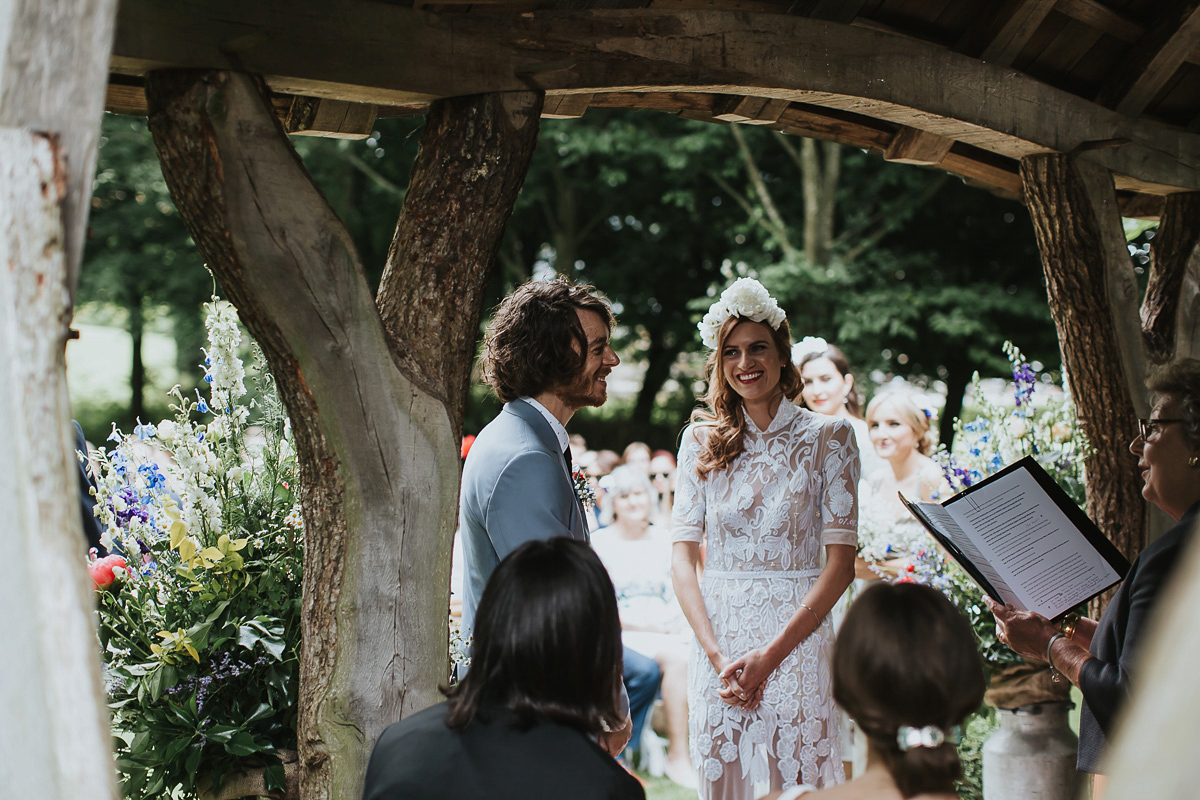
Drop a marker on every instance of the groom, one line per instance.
(546, 354)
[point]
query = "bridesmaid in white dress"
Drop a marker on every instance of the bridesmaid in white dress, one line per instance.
(767, 486)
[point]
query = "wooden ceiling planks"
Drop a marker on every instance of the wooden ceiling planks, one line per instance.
(1153, 59)
(1078, 46)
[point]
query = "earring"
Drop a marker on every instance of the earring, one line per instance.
(1194, 461)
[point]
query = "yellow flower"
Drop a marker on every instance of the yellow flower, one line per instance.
(174, 642)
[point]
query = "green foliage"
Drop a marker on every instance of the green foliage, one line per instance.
(978, 728)
(201, 642)
(138, 254)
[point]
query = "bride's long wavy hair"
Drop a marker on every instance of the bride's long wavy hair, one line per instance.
(725, 412)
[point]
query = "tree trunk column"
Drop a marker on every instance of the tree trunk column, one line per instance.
(1074, 233)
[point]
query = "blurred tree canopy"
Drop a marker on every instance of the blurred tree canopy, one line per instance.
(910, 271)
(138, 255)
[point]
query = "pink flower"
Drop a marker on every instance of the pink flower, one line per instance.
(101, 571)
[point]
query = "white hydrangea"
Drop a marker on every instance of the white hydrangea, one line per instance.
(747, 298)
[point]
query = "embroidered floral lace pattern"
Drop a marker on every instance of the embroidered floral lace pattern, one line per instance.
(766, 520)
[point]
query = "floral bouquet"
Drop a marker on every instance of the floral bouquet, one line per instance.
(999, 435)
(199, 606)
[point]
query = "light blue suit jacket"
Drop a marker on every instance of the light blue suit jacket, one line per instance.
(515, 488)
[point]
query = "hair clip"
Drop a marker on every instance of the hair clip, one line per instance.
(929, 736)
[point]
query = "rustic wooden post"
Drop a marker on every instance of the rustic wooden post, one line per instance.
(1093, 299)
(376, 411)
(53, 65)
(1169, 311)
(56, 744)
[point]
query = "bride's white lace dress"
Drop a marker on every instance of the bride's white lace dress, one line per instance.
(766, 520)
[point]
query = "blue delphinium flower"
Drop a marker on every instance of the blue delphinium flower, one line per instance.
(143, 432)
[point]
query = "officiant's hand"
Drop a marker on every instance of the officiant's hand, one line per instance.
(1025, 632)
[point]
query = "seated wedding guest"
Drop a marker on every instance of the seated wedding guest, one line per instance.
(637, 454)
(543, 684)
(602, 463)
(903, 438)
(1101, 657)
(662, 477)
(829, 389)
(637, 554)
(907, 669)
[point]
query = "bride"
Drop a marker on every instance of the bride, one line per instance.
(769, 486)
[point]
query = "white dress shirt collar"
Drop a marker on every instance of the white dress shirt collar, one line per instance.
(559, 431)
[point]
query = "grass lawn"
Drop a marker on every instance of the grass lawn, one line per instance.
(665, 789)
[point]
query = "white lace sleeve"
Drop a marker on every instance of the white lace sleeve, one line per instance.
(839, 508)
(687, 516)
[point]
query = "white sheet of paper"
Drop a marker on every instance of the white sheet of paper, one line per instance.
(1041, 561)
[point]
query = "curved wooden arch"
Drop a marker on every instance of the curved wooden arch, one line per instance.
(384, 55)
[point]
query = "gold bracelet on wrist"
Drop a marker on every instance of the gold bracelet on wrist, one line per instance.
(1070, 621)
(815, 614)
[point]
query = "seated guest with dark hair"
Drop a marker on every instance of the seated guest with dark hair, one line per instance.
(544, 683)
(906, 668)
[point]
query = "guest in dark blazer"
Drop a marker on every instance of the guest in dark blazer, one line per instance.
(1100, 657)
(91, 528)
(543, 685)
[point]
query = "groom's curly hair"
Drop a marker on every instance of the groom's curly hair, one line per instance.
(535, 341)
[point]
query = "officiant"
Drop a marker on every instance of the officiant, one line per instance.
(1100, 656)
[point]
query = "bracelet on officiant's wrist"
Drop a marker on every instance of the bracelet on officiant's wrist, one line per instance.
(1054, 673)
(1069, 623)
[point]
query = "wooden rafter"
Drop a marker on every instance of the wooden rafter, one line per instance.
(1153, 59)
(1016, 31)
(405, 57)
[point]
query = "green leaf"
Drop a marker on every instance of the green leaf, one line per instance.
(262, 712)
(193, 760)
(221, 733)
(242, 744)
(175, 747)
(141, 741)
(274, 776)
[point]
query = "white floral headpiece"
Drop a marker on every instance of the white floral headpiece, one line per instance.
(747, 298)
(807, 346)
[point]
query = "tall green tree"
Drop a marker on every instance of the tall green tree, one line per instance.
(138, 255)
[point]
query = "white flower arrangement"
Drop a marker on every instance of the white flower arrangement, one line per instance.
(807, 346)
(747, 298)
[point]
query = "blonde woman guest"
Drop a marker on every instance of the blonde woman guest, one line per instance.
(637, 555)
(829, 388)
(771, 488)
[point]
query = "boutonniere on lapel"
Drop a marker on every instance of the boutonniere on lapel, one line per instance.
(584, 490)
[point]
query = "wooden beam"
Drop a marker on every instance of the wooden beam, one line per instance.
(843, 11)
(1101, 17)
(748, 110)
(566, 106)
(1133, 82)
(902, 81)
(912, 146)
(1141, 206)
(335, 119)
(1016, 31)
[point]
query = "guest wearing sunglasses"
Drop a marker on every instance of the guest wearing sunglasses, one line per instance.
(1101, 657)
